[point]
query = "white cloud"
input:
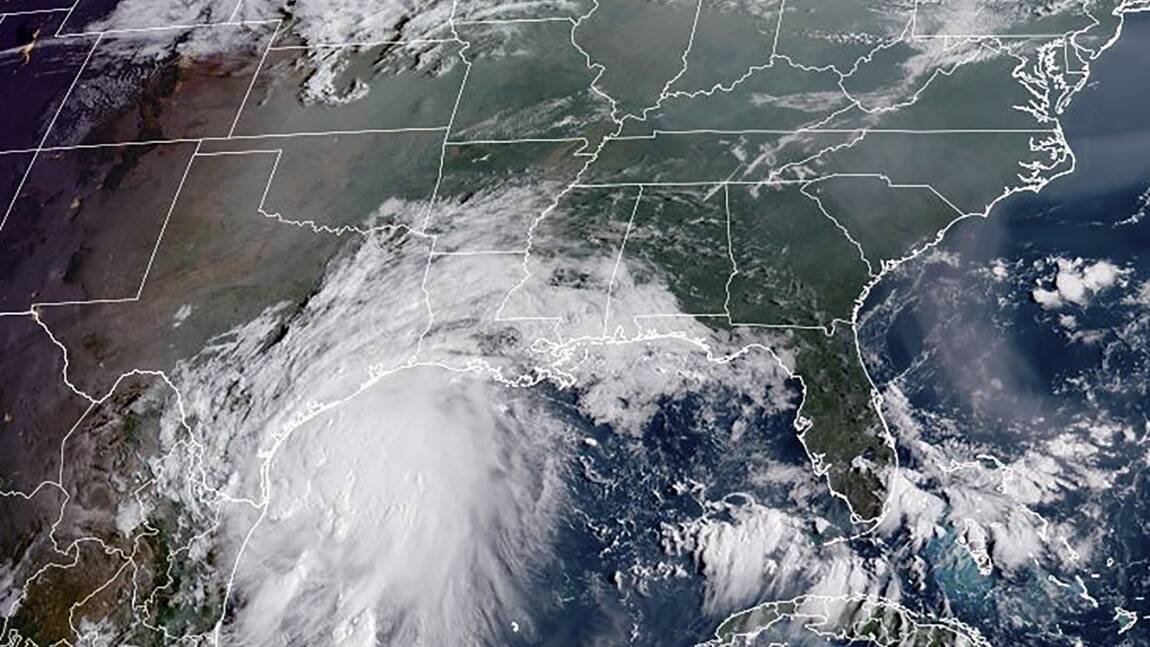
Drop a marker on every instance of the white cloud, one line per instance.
(1142, 297)
(751, 551)
(415, 510)
(416, 502)
(758, 548)
(999, 269)
(1076, 282)
(989, 503)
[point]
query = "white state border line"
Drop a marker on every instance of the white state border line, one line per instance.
(196, 154)
(218, 626)
(527, 140)
(481, 252)
(198, 141)
(619, 260)
(828, 327)
(47, 133)
(988, 36)
(264, 505)
(151, 258)
(418, 41)
(429, 212)
(363, 44)
(914, 35)
(654, 134)
(315, 227)
(67, 16)
(167, 218)
(415, 41)
(224, 139)
(236, 10)
(716, 183)
(522, 140)
(255, 77)
(160, 28)
(33, 12)
(514, 21)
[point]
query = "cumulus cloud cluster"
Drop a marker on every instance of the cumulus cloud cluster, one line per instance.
(990, 505)
(747, 551)
(1142, 297)
(1076, 282)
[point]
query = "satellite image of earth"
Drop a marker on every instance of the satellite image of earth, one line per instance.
(575, 323)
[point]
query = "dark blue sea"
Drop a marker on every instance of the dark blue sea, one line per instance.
(961, 334)
(969, 346)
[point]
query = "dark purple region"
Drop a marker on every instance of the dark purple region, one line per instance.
(87, 12)
(36, 408)
(137, 88)
(82, 223)
(13, 166)
(16, 6)
(18, 31)
(85, 223)
(91, 15)
(36, 70)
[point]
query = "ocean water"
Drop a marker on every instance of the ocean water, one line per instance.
(609, 581)
(969, 347)
(961, 334)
